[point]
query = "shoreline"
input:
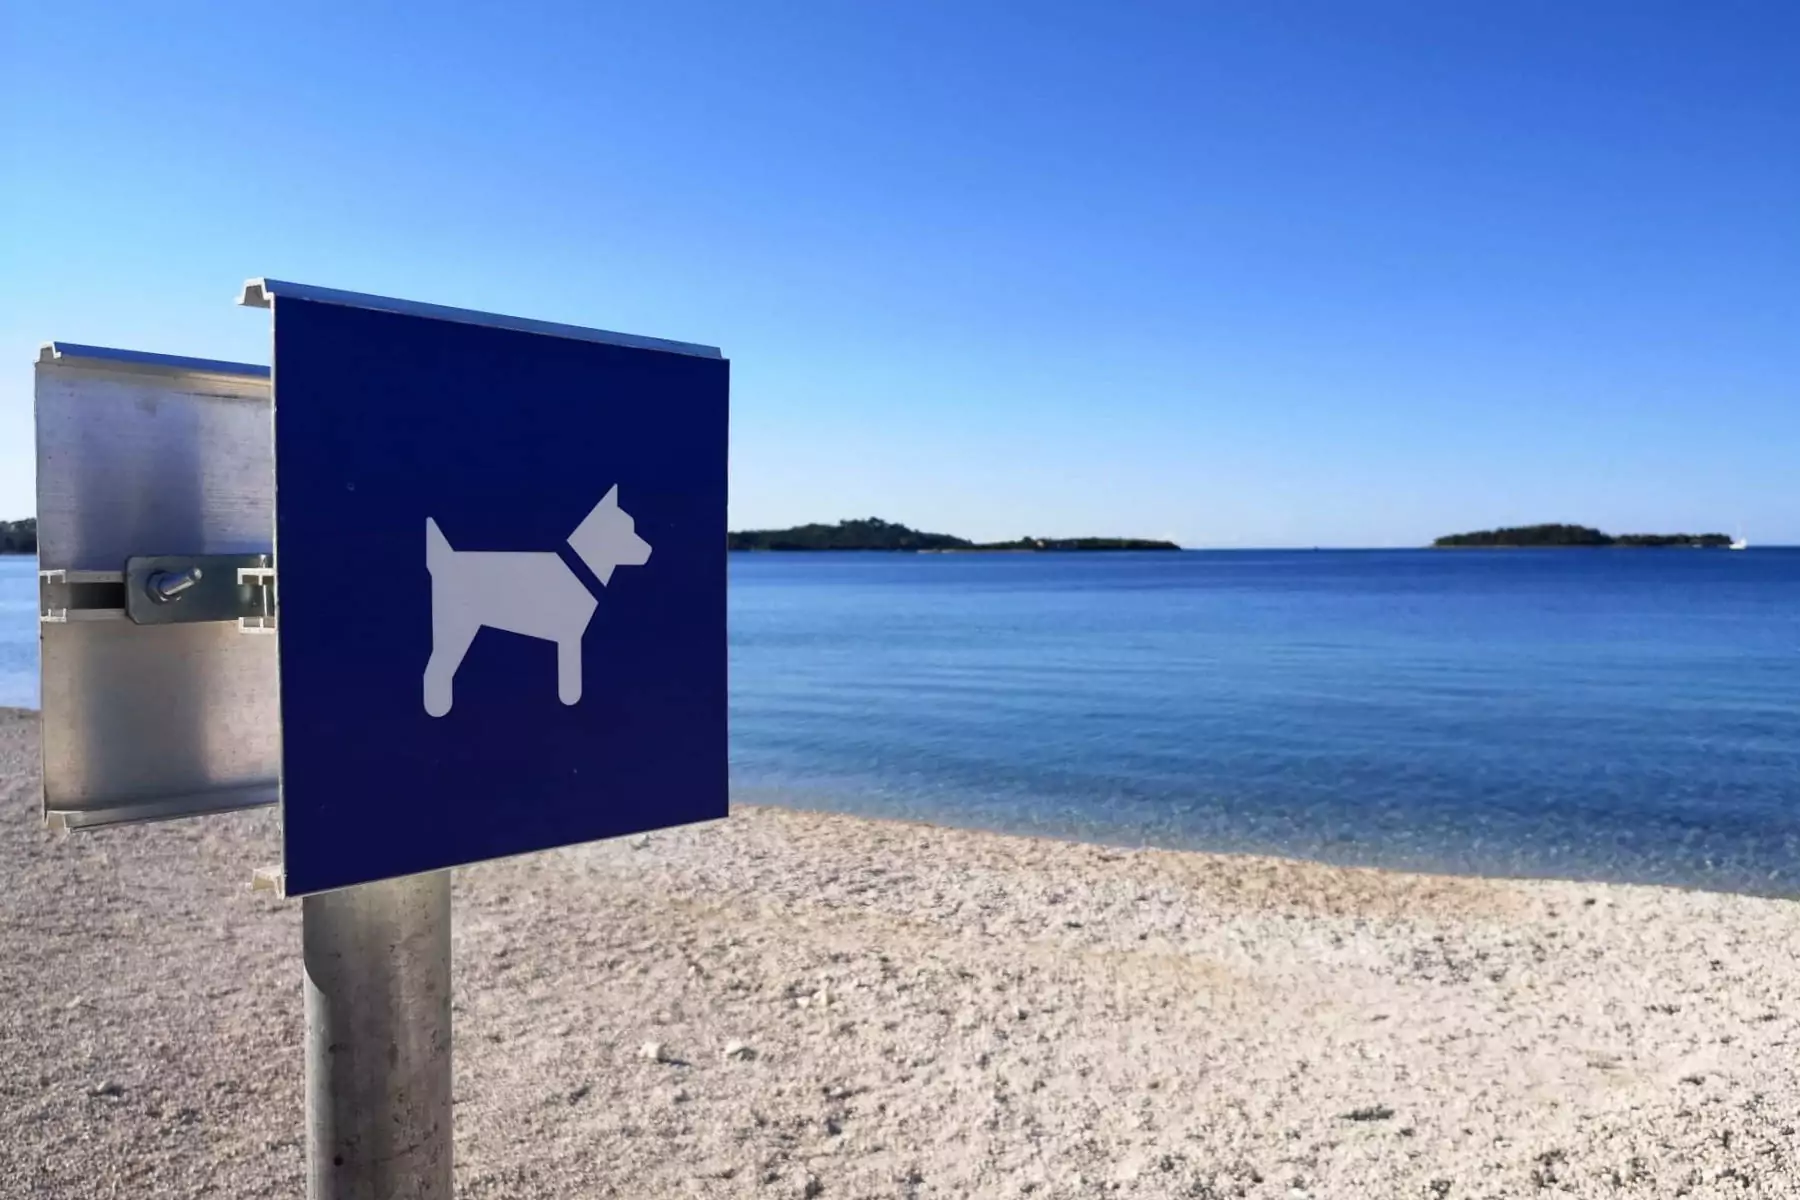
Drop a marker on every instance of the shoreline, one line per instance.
(1124, 841)
(846, 1006)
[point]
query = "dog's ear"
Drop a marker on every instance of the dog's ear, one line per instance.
(611, 499)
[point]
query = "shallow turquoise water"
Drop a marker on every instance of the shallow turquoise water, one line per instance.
(1612, 714)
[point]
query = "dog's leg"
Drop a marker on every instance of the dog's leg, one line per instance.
(568, 669)
(449, 642)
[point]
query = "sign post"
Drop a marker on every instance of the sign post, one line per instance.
(446, 586)
(378, 1123)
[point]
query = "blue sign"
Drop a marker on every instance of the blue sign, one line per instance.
(501, 554)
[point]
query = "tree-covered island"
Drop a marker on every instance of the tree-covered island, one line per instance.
(18, 537)
(1576, 535)
(876, 534)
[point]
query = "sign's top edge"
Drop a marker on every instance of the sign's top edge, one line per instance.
(259, 293)
(55, 351)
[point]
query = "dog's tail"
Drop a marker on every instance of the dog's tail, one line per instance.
(437, 546)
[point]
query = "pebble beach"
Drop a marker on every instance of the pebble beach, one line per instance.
(796, 1004)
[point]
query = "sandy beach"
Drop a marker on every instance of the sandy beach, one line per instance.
(789, 1004)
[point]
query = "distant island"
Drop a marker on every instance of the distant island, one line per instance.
(18, 537)
(1577, 535)
(877, 534)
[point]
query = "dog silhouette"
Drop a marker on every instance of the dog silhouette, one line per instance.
(532, 592)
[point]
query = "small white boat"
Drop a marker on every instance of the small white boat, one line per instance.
(1741, 543)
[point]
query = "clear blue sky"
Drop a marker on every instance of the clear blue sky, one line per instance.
(1334, 273)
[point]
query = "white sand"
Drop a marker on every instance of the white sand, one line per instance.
(925, 1012)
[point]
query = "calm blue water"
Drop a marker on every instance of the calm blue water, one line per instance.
(1612, 714)
(18, 631)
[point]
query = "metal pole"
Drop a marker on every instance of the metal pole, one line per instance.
(378, 1040)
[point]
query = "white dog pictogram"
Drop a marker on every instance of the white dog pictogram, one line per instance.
(533, 592)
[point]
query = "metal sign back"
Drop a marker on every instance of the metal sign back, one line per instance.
(144, 453)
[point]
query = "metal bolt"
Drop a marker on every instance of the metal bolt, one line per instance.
(165, 586)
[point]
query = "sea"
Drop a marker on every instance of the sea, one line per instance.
(1610, 714)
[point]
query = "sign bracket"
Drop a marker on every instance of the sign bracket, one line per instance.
(164, 589)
